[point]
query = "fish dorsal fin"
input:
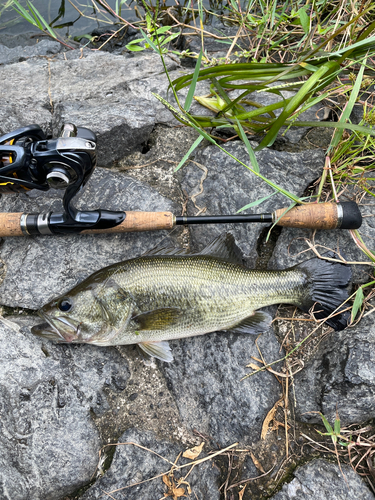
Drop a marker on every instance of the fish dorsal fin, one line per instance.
(166, 250)
(158, 319)
(224, 247)
(257, 323)
(160, 350)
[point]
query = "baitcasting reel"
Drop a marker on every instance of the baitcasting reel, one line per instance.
(28, 160)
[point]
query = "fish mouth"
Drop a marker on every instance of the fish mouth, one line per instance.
(58, 329)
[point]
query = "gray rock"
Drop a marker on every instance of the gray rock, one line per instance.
(25, 104)
(124, 124)
(321, 480)
(229, 186)
(48, 439)
(90, 89)
(19, 40)
(39, 268)
(132, 464)
(16, 54)
(205, 381)
(341, 375)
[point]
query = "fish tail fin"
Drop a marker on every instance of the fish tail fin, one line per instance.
(327, 290)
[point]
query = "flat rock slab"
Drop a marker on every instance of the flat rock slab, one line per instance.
(229, 186)
(48, 439)
(40, 268)
(341, 375)
(134, 464)
(321, 480)
(45, 48)
(205, 379)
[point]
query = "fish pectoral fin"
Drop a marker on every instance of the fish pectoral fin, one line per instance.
(158, 319)
(258, 322)
(159, 350)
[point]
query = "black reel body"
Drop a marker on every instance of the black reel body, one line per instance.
(28, 160)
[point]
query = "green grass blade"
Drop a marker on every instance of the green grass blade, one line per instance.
(23, 12)
(250, 151)
(41, 18)
(358, 301)
(365, 45)
(150, 42)
(39, 24)
(349, 106)
(255, 203)
(305, 20)
(327, 424)
(349, 126)
(190, 94)
(296, 101)
(192, 148)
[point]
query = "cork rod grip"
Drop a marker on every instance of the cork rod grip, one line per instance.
(311, 215)
(139, 221)
(10, 224)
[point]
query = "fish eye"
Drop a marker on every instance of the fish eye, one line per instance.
(65, 305)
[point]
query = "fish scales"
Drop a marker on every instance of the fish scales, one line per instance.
(158, 297)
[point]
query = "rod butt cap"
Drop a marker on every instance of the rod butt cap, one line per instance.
(351, 215)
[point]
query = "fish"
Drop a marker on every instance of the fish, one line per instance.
(168, 294)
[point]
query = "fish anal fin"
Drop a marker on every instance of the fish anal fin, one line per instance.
(159, 350)
(257, 323)
(158, 319)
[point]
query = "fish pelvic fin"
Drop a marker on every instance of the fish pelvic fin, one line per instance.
(159, 350)
(257, 323)
(329, 282)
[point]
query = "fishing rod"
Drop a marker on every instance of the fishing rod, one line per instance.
(28, 160)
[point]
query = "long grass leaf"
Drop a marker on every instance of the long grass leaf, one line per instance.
(150, 42)
(37, 13)
(192, 148)
(358, 301)
(295, 102)
(349, 126)
(190, 94)
(349, 106)
(255, 203)
(38, 23)
(250, 151)
(23, 12)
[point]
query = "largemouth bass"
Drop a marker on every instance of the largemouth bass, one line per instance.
(166, 295)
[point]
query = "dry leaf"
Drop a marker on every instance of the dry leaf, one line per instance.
(241, 492)
(167, 481)
(253, 366)
(193, 453)
(257, 464)
(270, 416)
(173, 492)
